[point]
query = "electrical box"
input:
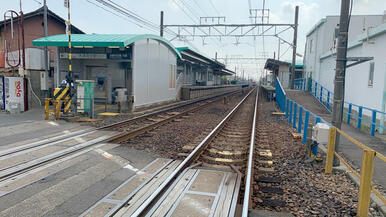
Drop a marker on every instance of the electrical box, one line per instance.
(43, 80)
(321, 132)
(85, 96)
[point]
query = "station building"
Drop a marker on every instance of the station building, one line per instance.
(146, 65)
(197, 69)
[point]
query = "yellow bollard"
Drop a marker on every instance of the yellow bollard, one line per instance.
(57, 108)
(330, 150)
(47, 108)
(365, 185)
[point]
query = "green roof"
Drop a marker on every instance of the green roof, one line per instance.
(99, 40)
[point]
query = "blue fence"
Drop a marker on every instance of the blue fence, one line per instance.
(300, 84)
(295, 112)
(280, 95)
(351, 111)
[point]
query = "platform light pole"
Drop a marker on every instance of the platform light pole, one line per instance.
(340, 72)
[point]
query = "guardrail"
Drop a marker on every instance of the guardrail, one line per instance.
(353, 113)
(365, 186)
(300, 84)
(294, 112)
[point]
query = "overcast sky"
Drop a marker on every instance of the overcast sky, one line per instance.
(91, 18)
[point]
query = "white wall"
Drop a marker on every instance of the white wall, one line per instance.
(151, 71)
(357, 90)
(323, 40)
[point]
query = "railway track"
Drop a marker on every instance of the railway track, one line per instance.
(229, 145)
(127, 129)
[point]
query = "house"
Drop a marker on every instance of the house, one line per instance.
(145, 65)
(41, 84)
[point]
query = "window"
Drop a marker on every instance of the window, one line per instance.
(210, 76)
(310, 44)
(172, 76)
(371, 75)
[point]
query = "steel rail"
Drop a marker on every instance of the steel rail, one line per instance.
(117, 137)
(247, 192)
(187, 160)
(113, 125)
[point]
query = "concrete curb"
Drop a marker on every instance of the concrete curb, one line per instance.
(378, 202)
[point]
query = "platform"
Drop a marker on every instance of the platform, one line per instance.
(350, 150)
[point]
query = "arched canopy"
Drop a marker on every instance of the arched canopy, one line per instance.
(100, 40)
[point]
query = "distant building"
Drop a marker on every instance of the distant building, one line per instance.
(278, 69)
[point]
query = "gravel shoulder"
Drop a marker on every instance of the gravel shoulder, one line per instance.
(307, 191)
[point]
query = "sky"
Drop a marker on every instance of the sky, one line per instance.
(92, 17)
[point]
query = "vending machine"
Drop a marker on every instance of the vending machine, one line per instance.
(12, 94)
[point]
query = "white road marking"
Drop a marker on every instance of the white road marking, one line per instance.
(53, 123)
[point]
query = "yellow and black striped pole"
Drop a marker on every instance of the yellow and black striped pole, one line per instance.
(68, 100)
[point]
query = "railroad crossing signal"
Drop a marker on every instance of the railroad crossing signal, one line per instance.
(66, 3)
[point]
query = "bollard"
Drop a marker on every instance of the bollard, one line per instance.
(294, 119)
(309, 143)
(330, 150)
(300, 119)
(47, 108)
(365, 185)
(306, 120)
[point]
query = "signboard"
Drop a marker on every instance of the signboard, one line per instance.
(94, 56)
(84, 56)
(66, 2)
(14, 93)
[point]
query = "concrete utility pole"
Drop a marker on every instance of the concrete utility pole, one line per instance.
(161, 28)
(45, 47)
(340, 72)
(294, 46)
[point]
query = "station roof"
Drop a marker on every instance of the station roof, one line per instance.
(187, 52)
(99, 40)
(273, 65)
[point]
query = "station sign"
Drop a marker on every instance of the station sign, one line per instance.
(94, 56)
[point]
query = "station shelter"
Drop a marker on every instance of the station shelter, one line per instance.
(197, 69)
(145, 65)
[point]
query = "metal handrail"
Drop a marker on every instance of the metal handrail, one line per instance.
(247, 192)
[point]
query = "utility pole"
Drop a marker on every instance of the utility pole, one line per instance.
(340, 72)
(45, 47)
(161, 29)
(294, 47)
(278, 51)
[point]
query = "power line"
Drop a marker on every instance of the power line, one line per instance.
(214, 7)
(198, 5)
